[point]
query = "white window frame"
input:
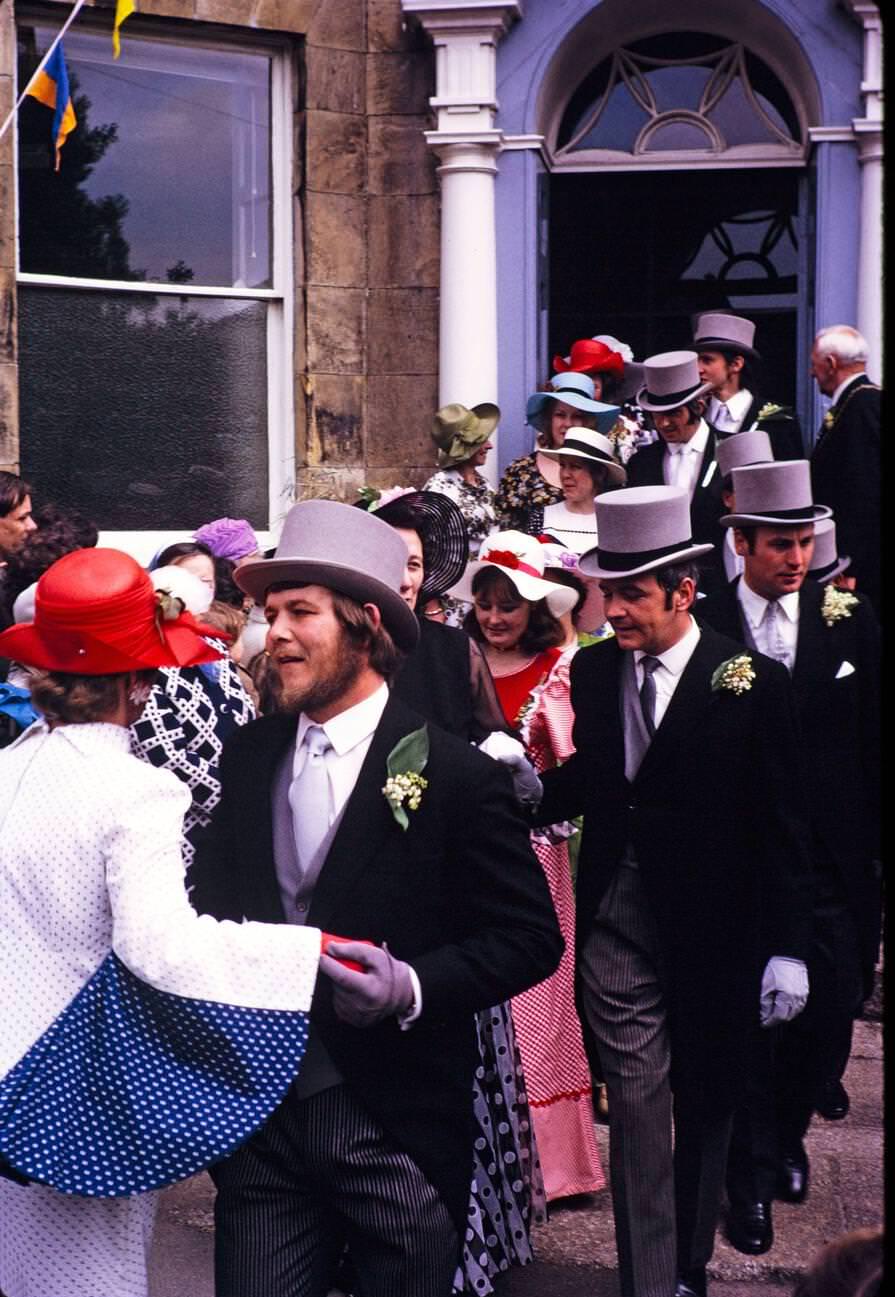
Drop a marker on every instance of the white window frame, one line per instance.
(280, 297)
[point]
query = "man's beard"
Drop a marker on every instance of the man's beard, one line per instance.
(347, 664)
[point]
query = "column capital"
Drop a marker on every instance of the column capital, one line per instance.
(465, 34)
(474, 151)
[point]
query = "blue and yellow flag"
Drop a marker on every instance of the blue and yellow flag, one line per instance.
(50, 86)
(123, 9)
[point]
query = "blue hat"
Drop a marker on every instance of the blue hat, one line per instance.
(576, 390)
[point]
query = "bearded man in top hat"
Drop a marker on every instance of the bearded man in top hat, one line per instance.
(677, 909)
(684, 456)
(347, 809)
(729, 362)
(828, 641)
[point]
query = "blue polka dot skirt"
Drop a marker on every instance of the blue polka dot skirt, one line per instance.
(132, 1088)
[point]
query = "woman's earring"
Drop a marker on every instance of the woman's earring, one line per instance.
(139, 694)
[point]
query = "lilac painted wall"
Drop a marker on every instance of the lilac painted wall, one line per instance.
(831, 43)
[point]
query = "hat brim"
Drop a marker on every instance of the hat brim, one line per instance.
(592, 613)
(488, 416)
(679, 398)
(813, 514)
(534, 406)
(560, 598)
(549, 470)
(445, 539)
(726, 346)
(590, 562)
(831, 570)
(256, 576)
(615, 472)
(77, 653)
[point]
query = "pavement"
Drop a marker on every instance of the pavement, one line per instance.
(576, 1248)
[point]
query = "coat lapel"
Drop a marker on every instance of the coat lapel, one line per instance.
(367, 821)
(691, 698)
(813, 639)
(276, 733)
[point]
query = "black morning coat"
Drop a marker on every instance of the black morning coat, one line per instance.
(715, 819)
(460, 895)
(846, 475)
(645, 468)
(839, 742)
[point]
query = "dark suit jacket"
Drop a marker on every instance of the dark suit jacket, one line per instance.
(460, 895)
(839, 723)
(846, 475)
(714, 818)
(783, 429)
(706, 506)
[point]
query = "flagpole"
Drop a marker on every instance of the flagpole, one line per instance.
(17, 105)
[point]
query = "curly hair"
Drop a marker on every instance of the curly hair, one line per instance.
(58, 532)
(543, 630)
(78, 699)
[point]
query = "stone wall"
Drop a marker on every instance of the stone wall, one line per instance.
(366, 237)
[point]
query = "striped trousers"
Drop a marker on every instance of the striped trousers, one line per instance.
(322, 1172)
(666, 1200)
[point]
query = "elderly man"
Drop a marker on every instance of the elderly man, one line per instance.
(845, 463)
(728, 360)
(676, 397)
(348, 810)
(692, 913)
(829, 642)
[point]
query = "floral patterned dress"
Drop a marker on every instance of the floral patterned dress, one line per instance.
(548, 1030)
(523, 488)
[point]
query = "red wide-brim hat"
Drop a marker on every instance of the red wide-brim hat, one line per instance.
(590, 357)
(96, 613)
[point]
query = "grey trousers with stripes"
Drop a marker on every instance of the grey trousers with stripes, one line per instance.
(666, 1200)
(321, 1172)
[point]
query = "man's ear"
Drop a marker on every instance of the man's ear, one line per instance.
(374, 616)
(740, 544)
(736, 363)
(683, 597)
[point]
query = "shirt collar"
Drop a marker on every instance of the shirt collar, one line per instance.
(842, 386)
(737, 405)
(674, 659)
(697, 442)
(755, 605)
(351, 726)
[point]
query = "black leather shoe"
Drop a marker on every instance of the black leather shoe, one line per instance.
(833, 1102)
(749, 1227)
(792, 1177)
(691, 1283)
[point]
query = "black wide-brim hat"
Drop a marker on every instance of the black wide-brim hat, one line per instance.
(442, 531)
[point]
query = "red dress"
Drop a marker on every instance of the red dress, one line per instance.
(548, 1031)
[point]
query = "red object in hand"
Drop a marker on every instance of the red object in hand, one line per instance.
(326, 939)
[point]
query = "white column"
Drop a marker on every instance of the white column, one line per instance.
(869, 132)
(465, 34)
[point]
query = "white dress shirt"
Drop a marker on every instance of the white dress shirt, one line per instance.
(351, 733)
(734, 563)
(670, 669)
(786, 630)
(683, 461)
(727, 416)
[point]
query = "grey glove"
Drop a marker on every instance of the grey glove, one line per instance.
(382, 990)
(510, 752)
(784, 990)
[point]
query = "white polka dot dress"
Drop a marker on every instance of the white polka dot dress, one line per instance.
(139, 1041)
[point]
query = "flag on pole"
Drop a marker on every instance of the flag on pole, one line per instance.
(123, 9)
(50, 86)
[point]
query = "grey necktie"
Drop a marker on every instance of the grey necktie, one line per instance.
(648, 693)
(310, 798)
(774, 634)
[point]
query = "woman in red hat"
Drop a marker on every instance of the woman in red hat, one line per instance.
(139, 1041)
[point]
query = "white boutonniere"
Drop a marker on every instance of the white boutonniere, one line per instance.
(768, 410)
(829, 419)
(735, 674)
(405, 784)
(837, 604)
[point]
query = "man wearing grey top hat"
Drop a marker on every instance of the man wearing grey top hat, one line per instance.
(684, 455)
(690, 927)
(750, 447)
(828, 640)
(346, 811)
(728, 360)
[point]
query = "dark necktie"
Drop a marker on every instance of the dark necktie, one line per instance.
(648, 693)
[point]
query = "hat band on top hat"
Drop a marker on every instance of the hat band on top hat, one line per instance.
(820, 573)
(590, 452)
(671, 398)
(639, 558)
(506, 558)
(780, 513)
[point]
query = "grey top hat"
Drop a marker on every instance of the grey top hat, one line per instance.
(717, 330)
(751, 446)
(585, 443)
(641, 528)
(342, 548)
(826, 564)
(670, 379)
(778, 493)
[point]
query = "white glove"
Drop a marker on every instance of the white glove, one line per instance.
(382, 990)
(784, 990)
(510, 752)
